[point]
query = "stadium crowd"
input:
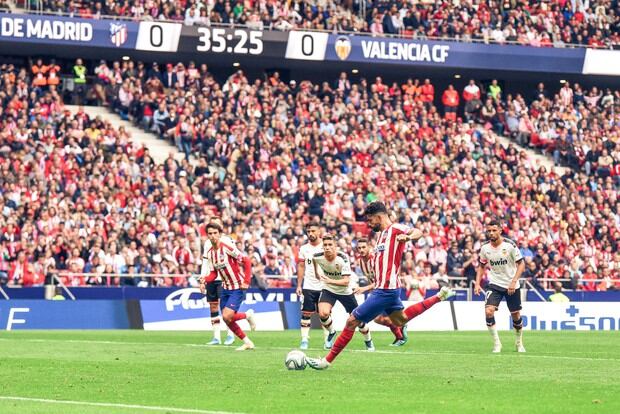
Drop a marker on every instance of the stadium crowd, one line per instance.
(538, 23)
(577, 127)
(77, 196)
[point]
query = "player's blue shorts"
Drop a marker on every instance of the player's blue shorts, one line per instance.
(231, 299)
(379, 301)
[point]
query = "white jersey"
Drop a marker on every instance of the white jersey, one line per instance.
(306, 253)
(502, 261)
(206, 263)
(337, 269)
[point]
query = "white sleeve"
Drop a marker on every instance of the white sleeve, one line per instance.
(516, 254)
(482, 257)
(346, 267)
(206, 267)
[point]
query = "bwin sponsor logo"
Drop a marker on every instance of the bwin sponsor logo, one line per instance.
(500, 262)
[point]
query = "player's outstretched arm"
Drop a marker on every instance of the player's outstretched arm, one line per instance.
(412, 235)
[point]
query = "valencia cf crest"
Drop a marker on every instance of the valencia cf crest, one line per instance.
(118, 33)
(342, 47)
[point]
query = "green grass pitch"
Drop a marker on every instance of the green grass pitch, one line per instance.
(451, 372)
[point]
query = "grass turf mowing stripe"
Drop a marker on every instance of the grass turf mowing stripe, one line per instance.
(115, 405)
(276, 348)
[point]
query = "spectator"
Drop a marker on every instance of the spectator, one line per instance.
(558, 296)
(450, 100)
(495, 91)
(471, 96)
(79, 80)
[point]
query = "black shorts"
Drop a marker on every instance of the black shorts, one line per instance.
(348, 301)
(496, 293)
(311, 300)
(214, 291)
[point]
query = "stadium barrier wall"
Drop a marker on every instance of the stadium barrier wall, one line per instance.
(111, 39)
(84, 314)
(279, 294)
(368, 49)
(186, 309)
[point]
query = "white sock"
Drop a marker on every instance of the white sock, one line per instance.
(519, 335)
(247, 341)
(215, 322)
(230, 333)
(328, 325)
(305, 332)
(494, 334)
(366, 332)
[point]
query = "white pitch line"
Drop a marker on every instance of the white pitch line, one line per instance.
(426, 353)
(113, 405)
(259, 348)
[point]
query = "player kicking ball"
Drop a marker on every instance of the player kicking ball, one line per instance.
(385, 297)
(506, 266)
(334, 270)
(365, 262)
(226, 260)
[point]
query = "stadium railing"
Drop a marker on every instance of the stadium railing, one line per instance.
(487, 41)
(57, 280)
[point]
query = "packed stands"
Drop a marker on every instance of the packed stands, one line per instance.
(272, 155)
(592, 23)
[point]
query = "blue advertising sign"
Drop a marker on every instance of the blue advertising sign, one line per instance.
(187, 309)
(68, 31)
(44, 314)
(368, 49)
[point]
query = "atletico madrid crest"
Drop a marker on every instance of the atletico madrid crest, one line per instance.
(118, 33)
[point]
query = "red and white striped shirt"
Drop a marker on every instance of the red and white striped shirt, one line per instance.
(366, 265)
(387, 257)
(226, 261)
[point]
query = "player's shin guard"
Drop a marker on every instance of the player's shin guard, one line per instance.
(236, 329)
(239, 316)
(518, 324)
(343, 339)
(215, 323)
(421, 307)
(305, 326)
(365, 330)
(327, 324)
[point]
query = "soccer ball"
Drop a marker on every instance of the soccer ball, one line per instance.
(295, 360)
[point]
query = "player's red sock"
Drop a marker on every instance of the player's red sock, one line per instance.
(236, 330)
(239, 316)
(341, 342)
(421, 307)
(397, 331)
